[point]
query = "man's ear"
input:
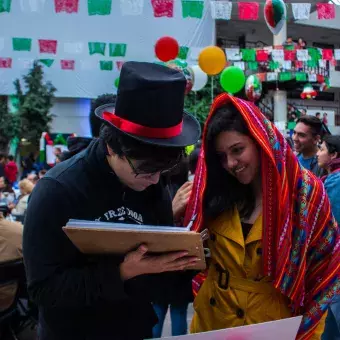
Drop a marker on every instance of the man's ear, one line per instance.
(109, 150)
(334, 155)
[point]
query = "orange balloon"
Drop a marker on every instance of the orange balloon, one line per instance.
(212, 60)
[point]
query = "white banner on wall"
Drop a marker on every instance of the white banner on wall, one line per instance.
(81, 51)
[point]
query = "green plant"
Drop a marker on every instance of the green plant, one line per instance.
(9, 124)
(34, 104)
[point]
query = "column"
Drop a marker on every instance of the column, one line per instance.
(280, 110)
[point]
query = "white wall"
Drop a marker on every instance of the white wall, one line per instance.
(71, 116)
(139, 32)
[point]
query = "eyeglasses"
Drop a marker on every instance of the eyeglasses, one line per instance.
(151, 173)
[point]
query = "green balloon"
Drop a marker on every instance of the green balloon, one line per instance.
(232, 79)
(117, 82)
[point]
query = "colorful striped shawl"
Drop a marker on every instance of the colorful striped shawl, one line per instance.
(301, 243)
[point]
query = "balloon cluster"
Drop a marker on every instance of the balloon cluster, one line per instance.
(211, 62)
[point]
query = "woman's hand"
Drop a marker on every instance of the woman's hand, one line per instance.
(138, 263)
(180, 201)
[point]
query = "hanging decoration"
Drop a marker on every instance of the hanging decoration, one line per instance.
(47, 147)
(45, 143)
(117, 82)
(59, 140)
(166, 48)
(324, 85)
(200, 78)
(308, 92)
(212, 60)
(275, 14)
(181, 66)
(253, 88)
(232, 79)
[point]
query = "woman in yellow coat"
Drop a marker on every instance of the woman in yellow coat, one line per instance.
(273, 240)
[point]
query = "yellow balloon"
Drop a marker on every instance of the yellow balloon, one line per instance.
(212, 60)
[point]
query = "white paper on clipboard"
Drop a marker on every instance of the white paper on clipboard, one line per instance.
(285, 329)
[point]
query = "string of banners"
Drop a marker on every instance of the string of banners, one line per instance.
(220, 9)
(312, 61)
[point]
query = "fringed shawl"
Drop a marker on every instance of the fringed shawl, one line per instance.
(301, 243)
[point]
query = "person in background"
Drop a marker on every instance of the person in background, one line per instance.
(291, 123)
(95, 122)
(289, 41)
(3, 159)
(180, 190)
(306, 137)
(26, 188)
(2, 190)
(325, 118)
(57, 150)
(303, 112)
(329, 159)
(11, 170)
(28, 165)
(33, 177)
(10, 249)
(273, 239)
(318, 115)
(42, 173)
(301, 43)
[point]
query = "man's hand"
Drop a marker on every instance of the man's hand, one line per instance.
(138, 263)
(180, 201)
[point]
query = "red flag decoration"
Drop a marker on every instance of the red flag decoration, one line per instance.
(119, 65)
(298, 64)
(163, 8)
(327, 54)
(48, 46)
(290, 55)
(262, 76)
(68, 6)
(320, 78)
(67, 64)
(325, 11)
(5, 62)
(262, 55)
(248, 10)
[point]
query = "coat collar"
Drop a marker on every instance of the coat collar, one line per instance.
(229, 225)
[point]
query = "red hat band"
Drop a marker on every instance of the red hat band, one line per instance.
(141, 130)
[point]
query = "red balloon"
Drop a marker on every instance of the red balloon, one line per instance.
(166, 49)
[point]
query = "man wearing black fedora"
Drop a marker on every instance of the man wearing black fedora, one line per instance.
(118, 177)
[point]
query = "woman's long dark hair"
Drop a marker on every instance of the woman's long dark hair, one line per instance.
(223, 191)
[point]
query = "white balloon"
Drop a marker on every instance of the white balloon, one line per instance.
(200, 78)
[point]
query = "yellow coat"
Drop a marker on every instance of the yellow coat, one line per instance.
(235, 292)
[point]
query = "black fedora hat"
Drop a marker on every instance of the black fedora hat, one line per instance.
(149, 106)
